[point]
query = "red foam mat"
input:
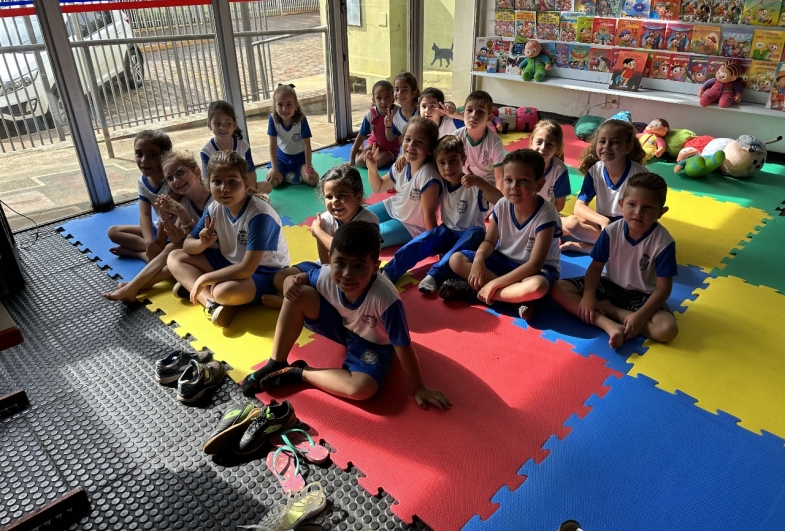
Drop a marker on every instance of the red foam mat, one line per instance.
(573, 146)
(510, 389)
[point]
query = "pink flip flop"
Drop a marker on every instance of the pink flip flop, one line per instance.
(285, 465)
(303, 443)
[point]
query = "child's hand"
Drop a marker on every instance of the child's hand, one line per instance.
(388, 119)
(198, 286)
(401, 163)
(167, 204)
(208, 236)
(605, 223)
(488, 292)
(477, 275)
(447, 108)
(469, 180)
(291, 287)
(274, 177)
(633, 324)
(371, 156)
(425, 395)
(316, 224)
(588, 310)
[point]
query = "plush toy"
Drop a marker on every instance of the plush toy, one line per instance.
(535, 62)
(740, 158)
(652, 138)
(724, 88)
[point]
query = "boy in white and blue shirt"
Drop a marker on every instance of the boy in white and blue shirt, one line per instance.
(347, 302)
(638, 256)
(464, 205)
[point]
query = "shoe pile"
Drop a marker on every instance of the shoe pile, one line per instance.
(194, 373)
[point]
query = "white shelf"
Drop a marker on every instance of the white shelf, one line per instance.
(643, 93)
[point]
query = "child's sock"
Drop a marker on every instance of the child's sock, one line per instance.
(287, 376)
(427, 285)
(250, 385)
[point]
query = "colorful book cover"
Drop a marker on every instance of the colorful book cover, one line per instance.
(525, 25)
(548, 26)
(585, 7)
(660, 65)
(628, 33)
(525, 5)
(579, 57)
(678, 67)
(584, 28)
(736, 42)
(636, 8)
(761, 76)
(483, 47)
(678, 37)
(767, 45)
(653, 35)
(491, 65)
(696, 69)
(515, 58)
(504, 23)
(501, 51)
(761, 12)
(567, 30)
(713, 64)
(725, 11)
(608, 8)
(705, 39)
(600, 59)
(563, 5)
(649, 65)
(603, 29)
(629, 70)
(614, 58)
(546, 5)
(549, 49)
(665, 9)
(695, 10)
(562, 55)
(776, 100)
(505, 4)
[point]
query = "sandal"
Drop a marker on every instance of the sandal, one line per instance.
(301, 505)
(302, 442)
(286, 469)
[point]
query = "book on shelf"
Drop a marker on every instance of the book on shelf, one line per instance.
(695, 10)
(546, 5)
(653, 35)
(579, 57)
(504, 23)
(736, 42)
(760, 77)
(563, 5)
(726, 11)
(567, 27)
(678, 67)
(505, 4)
(548, 25)
(584, 27)
(705, 39)
(483, 47)
(636, 8)
(660, 65)
(525, 5)
(696, 69)
(603, 30)
(767, 45)
(585, 7)
(678, 37)
(562, 55)
(608, 8)
(629, 70)
(665, 9)
(761, 12)
(628, 33)
(600, 59)
(525, 25)
(776, 99)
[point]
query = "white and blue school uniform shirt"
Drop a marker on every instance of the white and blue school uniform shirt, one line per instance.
(448, 126)
(377, 316)
(194, 211)
(482, 156)
(597, 183)
(516, 237)
(462, 208)
(330, 225)
(636, 264)
(256, 228)
(406, 206)
(400, 121)
(149, 193)
(239, 145)
(291, 148)
(557, 181)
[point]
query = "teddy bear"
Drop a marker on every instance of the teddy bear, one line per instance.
(740, 158)
(535, 62)
(652, 139)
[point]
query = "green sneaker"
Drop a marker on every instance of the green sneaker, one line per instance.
(230, 428)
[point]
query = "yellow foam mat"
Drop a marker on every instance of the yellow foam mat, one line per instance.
(513, 136)
(249, 339)
(705, 230)
(728, 354)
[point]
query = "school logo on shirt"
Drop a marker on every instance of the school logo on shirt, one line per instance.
(550, 191)
(486, 158)
(530, 245)
(463, 205)
(644, 262)
(242, 237)
(370, 320)
(414, 194)
(296, 137)
(369, 357)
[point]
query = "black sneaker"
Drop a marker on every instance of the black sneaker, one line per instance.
(169, 369)
(220, 315)
(272, 419)
(199, 378)
(250, 384)
(230, 428)
(457, 290)
(180, 292)
(527, 311)
(287, 376)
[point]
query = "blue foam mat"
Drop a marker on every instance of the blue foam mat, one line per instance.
(646, 460)
(89, 236)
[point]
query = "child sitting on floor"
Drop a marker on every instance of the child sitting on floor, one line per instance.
(548, 140)
(464, 204)
(519, 259)
(374, 129)
(233, 253)
(342, 191)
(290, 141)
(484, 150)
(639, 257)
(432, 106)
(406, 91)
(347, 302)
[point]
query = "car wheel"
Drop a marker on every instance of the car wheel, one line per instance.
(134, 68)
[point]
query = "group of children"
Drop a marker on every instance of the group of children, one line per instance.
(226, 248)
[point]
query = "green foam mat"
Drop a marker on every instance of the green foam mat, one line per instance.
(760, 260)
(764, 190)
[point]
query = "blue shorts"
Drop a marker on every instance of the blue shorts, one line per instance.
(361, 355)
(626, 299)
(307, 267)
(262, 278)
(500, 265)
(290, 166)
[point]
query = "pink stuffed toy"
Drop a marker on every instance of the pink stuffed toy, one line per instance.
(724, 88)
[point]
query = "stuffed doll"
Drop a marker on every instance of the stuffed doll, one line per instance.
(535, 62)
(740, 158)
(652, 138)
(724, 88)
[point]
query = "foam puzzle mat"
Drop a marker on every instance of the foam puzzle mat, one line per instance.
(548, 422)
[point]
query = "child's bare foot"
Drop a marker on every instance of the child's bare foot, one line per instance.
(122, 251)
(577, 247)
(616, 336)
(274, 302)
(122, 293)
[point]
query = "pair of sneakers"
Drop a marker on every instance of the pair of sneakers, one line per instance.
(274, 374)
(220, 315)
(458, 289)
(245, 429)
(194, 373)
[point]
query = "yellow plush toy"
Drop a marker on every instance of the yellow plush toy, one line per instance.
(652, 138)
